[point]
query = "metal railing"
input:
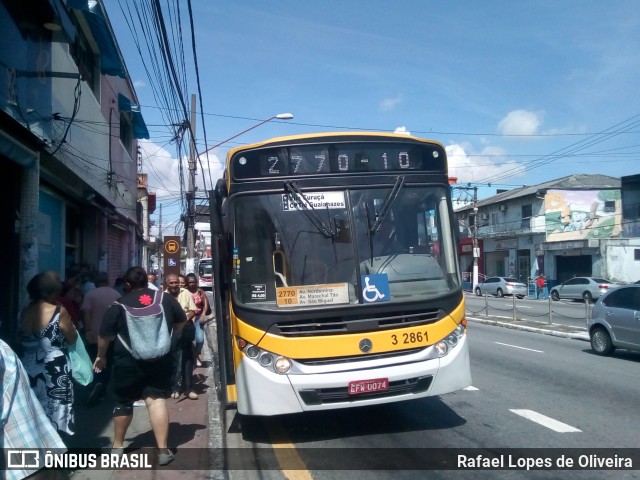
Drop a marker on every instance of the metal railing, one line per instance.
(518, 314)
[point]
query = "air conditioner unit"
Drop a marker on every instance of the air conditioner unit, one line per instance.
(484, 216)
(503, 208)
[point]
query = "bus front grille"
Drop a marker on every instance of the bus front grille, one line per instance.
(324, 396)
(357, 358)
(333, 326)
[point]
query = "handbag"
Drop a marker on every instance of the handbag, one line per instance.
(81, 364)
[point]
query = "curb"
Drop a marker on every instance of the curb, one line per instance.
(575, 334)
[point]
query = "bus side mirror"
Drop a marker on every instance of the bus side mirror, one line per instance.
(216, 197)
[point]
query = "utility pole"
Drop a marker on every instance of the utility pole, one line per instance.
(474, 238)
(191, 195)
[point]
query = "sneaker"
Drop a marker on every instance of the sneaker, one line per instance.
(198, 362)
(139, 403)
(166, 458)
(175, 395)
(96, 394)
(193, 395)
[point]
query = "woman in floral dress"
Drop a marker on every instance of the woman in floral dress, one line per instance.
(46, 330)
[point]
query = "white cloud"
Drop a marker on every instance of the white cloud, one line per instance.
(162, 169)
(211, 170)
(468, 166)
(390, 103)
(520, 122)
(402, 130)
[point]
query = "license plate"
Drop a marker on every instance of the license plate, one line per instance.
(368, 386)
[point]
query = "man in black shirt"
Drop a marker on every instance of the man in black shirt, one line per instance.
(134, 379)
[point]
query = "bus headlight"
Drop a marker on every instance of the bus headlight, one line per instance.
(441, 348)
(282, 365)
(265, 359)
(252, 351)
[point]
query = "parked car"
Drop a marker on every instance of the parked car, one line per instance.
(501, 286)
(615, 320)
(588, 289)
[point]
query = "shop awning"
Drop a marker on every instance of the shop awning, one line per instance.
(139, 127)
(111, 63)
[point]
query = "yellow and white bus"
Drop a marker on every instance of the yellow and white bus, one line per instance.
(336, 274)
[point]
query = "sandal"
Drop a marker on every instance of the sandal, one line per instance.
(166, 458)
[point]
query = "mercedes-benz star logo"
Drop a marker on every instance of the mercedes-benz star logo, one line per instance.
(365, 345)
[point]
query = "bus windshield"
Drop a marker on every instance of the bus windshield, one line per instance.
(350, 246)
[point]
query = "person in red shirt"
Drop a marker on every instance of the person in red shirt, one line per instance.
(540, 286)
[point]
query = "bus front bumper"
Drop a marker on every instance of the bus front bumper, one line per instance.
(263, 392)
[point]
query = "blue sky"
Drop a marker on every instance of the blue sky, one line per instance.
(519, 92)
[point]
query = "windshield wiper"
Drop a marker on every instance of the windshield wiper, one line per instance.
(308, 209)
(387, 204)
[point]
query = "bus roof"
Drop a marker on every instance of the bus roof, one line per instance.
(319, 136)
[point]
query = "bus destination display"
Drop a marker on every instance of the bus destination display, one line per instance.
(338, 158)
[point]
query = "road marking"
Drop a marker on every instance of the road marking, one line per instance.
(471, 388)
(521, 348)
(291, 464)
(545, 421)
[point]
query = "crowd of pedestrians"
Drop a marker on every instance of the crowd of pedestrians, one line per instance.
(84, 308)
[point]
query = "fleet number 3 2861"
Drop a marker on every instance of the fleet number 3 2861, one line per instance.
(409, 338)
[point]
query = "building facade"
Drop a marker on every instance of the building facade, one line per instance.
(69, 130)
(572, 226)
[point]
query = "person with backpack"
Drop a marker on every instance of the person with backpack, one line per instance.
(141, 324)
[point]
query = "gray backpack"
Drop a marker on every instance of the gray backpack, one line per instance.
(149, 335)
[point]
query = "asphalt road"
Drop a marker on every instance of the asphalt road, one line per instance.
(529, 391)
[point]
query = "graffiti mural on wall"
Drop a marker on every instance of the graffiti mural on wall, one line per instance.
(584, 214)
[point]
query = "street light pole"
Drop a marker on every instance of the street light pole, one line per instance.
(279, 116)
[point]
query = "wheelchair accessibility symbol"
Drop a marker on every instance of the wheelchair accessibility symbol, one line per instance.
(375, 288)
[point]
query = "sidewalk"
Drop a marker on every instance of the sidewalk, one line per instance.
(196, 431)
(192, 430)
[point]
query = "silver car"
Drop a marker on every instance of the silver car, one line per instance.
(615, 320)
(582, 288)
(501, 286)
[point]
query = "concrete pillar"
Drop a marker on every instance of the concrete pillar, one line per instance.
(29, 208)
